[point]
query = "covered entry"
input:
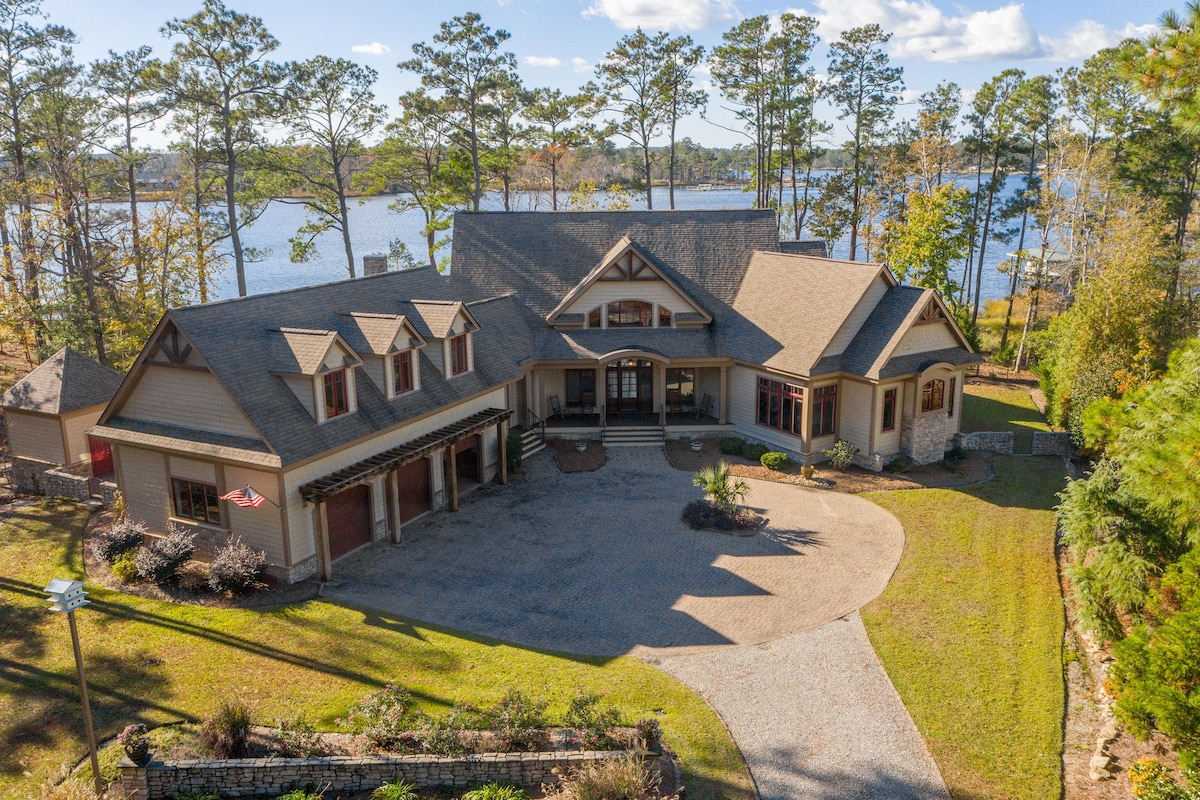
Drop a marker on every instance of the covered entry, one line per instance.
(468, 460)
(349, 519)
(630, 386)
(413, 489)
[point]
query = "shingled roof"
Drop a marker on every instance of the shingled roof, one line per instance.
(66, 381)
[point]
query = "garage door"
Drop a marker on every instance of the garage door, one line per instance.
(412, 488)
(467, 461)
(349, 517)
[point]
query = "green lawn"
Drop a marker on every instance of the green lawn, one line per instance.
(988, 407)
(158, 662)
(970, 629)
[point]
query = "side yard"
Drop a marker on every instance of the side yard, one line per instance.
(1002, 405)
(157, 662)
(970, 629)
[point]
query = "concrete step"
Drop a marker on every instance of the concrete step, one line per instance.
(526, 452)
(633, 437)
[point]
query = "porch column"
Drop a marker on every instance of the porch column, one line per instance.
(602, 392)
(502, 450)
(529, 406)
(660, 392)
(723, 402)
(452, 500)
(392, 498)
(324, 562)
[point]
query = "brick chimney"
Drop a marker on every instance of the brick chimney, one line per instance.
(374, 264)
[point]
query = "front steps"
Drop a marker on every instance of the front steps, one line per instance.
(634, 436)
(531, 443)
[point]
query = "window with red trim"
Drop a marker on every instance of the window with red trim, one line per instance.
(889, 410)
(337, 396)
(630, 314)
(780, 406)
(197, 501)
(458, 355)
(402, 372)
(933, 395)
(824, 410)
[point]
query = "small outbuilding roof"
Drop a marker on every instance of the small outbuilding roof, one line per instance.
(66, 381)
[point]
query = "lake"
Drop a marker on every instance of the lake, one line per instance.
(373, 226)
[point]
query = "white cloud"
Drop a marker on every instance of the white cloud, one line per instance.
(665, 15)
(580, 64)
(372, 49)
(541, 61)
(1087, 36)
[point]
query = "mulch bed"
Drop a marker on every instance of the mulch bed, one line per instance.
(571, 460)
(973, 469)
(274, 595)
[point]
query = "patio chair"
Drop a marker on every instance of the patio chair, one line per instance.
(556, 408)
(704, 408)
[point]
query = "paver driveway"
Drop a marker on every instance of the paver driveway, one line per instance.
(599, 563)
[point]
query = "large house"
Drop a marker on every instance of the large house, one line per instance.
(359, 405)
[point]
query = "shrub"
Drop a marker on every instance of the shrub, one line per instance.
(199, 794)
(752, 451)
(302, 794)
(650, 731)
(730, 446)
(73, 788)
(382, 716)
(615, 779)
(955, 455)
(124, 567)
(396, 790)
(237, 568)
(774, 461)
(447, 736)
(160, 560)
(591, 721)
(1150, 780)
(496, 791)
(841, 455)
(223, 734)
(704, 515)
(519, 721)
(296, 737)
(900, 464)
(123, 536)
(720, 486)
(513, 453)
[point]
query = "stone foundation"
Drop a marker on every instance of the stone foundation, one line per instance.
(990, 441)
(1054, 443)
(248, 777)
(925, 437)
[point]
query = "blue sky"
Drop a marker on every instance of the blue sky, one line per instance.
(558, 42)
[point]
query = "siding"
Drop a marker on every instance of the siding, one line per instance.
(854, 414)
(34, 436)
(841, 340)
(77, 426)
(921, 338)
(262, 527)
(743, 394)
(192, 470)
(300, 516)
(302, 387)
(144, 484)
(604, 292)
(374, 368)
(188, 399)
(888, 442)
(708, 382)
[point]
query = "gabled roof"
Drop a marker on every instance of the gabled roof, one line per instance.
(641, 266)
(376, 334)
(302, 351)
(66, 381)
(790, 308)
(437, 316)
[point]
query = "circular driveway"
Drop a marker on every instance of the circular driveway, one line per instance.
(599, 563)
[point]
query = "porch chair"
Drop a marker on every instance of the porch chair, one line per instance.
(704, 408)
(555, 406)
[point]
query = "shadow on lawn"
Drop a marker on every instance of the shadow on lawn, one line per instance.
(1031, 482)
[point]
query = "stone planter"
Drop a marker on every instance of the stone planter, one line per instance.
(581, 446)
(137, 751)
(697, 445)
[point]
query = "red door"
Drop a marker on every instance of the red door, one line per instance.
(349, 516)
(412, 489)
(101, 457)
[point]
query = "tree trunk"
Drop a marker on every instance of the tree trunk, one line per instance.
(235, 237)
(987, 221)
(553, 183)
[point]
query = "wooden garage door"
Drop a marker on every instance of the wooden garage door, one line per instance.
(412, 488)
(467, 459)
(349, 517)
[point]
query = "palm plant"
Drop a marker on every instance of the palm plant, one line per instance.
(720, 486)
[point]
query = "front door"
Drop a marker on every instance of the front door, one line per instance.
(630, 386)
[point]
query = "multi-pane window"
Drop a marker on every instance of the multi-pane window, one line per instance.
(337, 396)
(593, 318)
(889, 410)
(780, 406)
(824, 410)
(402, 372)
(458, 355)
(581, 387)
(933, 395)
(664, 317)
(198, 501)
(630, 314)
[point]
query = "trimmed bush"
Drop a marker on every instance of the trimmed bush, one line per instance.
(752, 451)
(124, 567)
(223, 734)
(841, 455)
(512, 451)
(382, 716)
(123, 536)
(900, 464)
(518, 721)
(160, 560)
(237, 568)
(296, 737)
(730, 446)
(450, 735)
(774, 460)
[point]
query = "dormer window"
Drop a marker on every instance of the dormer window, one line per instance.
(402, 372)
(630, 314)
(459, 356)
(664, 317)
(337, 395)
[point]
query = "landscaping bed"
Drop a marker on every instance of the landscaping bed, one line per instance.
(569, 459)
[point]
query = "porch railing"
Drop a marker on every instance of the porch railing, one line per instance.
(536, 423)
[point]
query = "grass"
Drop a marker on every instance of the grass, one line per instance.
(970, 629)
(157, 663)
(993, 407)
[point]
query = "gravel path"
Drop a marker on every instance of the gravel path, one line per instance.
(815, 716)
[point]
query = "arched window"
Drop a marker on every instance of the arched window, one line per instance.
(593, 318)
(630, 314)
(933, 395)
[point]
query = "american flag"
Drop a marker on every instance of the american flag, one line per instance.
(246, 498)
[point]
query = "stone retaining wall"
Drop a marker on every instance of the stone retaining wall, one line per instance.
(1053, 443)
(992, 441)
(60, 483)
(249, 777)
